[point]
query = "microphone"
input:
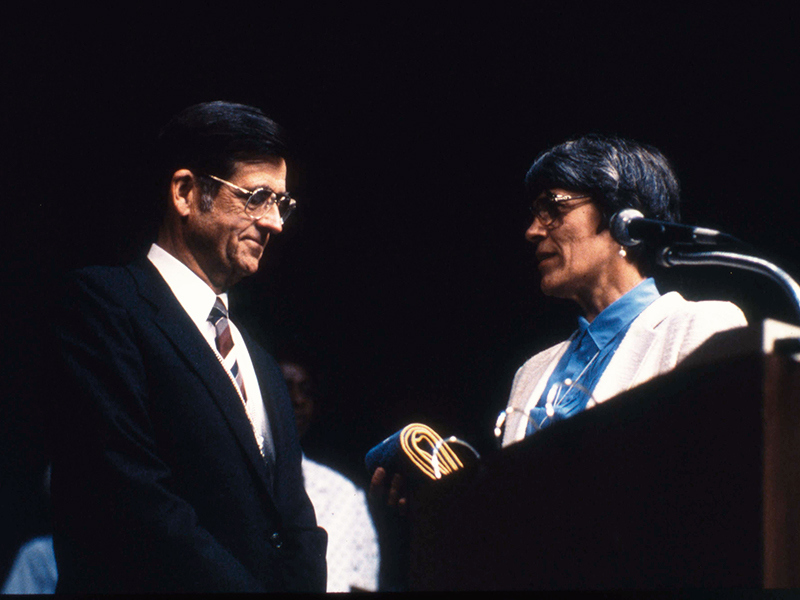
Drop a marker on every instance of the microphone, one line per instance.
(630, 228)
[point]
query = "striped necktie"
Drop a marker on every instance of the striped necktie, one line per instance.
(224, 341)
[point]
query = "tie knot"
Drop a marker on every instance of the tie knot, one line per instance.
(218, 311)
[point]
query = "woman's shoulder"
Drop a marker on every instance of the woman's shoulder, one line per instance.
(673, 310)
(542, 359)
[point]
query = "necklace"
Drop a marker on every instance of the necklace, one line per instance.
(554, 399)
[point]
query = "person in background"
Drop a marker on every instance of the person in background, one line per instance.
(353, 551)
(34, 570)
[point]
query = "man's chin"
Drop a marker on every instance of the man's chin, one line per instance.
(245, 269)
(249, 263)
(248, 271)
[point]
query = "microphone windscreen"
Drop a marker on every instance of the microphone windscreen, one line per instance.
(410, 452)
(619, 226)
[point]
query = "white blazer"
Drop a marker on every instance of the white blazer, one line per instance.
(662, 336)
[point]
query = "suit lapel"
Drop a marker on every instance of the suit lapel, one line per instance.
(262, 370)
(180, 330)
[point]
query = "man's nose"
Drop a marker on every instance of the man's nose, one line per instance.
(271, 220)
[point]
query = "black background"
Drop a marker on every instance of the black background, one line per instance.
(405, 270)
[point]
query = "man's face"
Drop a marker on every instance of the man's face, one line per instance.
(226, 243)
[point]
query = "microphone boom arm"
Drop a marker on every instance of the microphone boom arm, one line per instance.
(670, 257)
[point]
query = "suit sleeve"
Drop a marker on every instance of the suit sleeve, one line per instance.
(120, 524)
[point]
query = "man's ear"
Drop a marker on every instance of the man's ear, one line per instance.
(183, 191)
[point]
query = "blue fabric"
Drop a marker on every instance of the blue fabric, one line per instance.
(34, 570)
(591, 349)
(386, 454)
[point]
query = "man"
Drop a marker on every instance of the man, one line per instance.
(353, 553)
(176, 463)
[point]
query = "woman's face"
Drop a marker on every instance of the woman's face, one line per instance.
(575, 259)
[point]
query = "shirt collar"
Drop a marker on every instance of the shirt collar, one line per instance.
(620, 313)
(194, 294)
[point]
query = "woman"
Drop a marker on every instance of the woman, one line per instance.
(629, 332)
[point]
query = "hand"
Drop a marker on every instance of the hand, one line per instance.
(394, 494)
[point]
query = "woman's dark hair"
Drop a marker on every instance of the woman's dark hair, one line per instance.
(616, 172)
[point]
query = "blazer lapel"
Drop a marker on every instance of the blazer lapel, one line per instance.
(631, 359)
(531, 381)
(181, 331)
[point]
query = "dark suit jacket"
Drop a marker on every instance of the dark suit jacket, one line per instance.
(157, 481)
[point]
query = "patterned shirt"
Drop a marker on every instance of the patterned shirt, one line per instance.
(353, 555)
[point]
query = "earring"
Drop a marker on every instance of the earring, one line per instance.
(622, 252)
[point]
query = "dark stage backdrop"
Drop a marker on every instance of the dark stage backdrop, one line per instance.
(405, 271)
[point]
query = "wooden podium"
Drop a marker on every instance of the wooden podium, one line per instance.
(689, 481)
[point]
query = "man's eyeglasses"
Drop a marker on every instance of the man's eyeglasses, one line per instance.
(260, 201)
(550, 206)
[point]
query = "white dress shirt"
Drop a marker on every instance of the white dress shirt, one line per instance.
(197, 299)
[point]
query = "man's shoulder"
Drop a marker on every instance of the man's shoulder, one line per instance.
(111, 281)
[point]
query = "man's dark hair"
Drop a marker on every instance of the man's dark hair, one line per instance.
(209, 138)
(616, 172)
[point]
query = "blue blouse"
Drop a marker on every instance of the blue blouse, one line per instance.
(592, 346)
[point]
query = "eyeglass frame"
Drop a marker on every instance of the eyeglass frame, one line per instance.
(274, 199)
(555, 200)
